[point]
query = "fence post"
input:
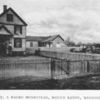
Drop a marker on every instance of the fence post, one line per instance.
(68, 67)
(52, 68)
(88, 66)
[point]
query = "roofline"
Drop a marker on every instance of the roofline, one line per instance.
(3, 23)
(15, 14)
(34, 37)
(43, 40)
(55, 38)
(6, 29)
(58, 36)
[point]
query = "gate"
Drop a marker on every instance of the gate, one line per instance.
(61, 68)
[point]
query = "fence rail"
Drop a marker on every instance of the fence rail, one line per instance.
(69, 55)
(64, 68)
(35, 68)
(48, 68)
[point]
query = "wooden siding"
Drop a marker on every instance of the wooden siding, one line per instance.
(15, 21)
(10, 27)
(57, 42)
(35, 44)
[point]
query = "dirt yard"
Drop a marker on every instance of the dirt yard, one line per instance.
(77, 83)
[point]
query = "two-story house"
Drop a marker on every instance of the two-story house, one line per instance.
(12, 30)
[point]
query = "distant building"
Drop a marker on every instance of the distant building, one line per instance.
(12, 30)
(40, 41)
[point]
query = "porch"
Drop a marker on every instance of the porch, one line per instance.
(5, 40)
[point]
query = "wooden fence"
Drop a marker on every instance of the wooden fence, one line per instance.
(64, 68)
(18, 68)
(69, 55)
(48, 68)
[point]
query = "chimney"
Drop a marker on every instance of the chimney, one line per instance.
(4, 8)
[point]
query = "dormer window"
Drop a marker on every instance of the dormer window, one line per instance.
(9, 17)
(18, 29)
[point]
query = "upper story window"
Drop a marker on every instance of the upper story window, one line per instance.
(9, 17)
(18, 29)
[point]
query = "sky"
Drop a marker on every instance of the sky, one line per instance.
(77, 19)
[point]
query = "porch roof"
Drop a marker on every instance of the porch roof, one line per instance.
(5, 31)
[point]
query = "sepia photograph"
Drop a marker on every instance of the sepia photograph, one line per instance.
(49, 44)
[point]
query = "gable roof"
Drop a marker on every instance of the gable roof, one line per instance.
(8, 31)
(51, 38)
(15, 14)
(43, 39)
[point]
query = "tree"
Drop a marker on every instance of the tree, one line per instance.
(69, 42)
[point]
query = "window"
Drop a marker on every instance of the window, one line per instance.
(9, 17)
(18, 29)
(17, 43)
(31, 44)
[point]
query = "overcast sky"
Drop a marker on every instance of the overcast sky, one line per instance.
(78, 19)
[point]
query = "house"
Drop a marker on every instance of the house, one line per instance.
(12, 30)
(44, 41)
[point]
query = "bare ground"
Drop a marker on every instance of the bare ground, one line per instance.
(76, 83)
